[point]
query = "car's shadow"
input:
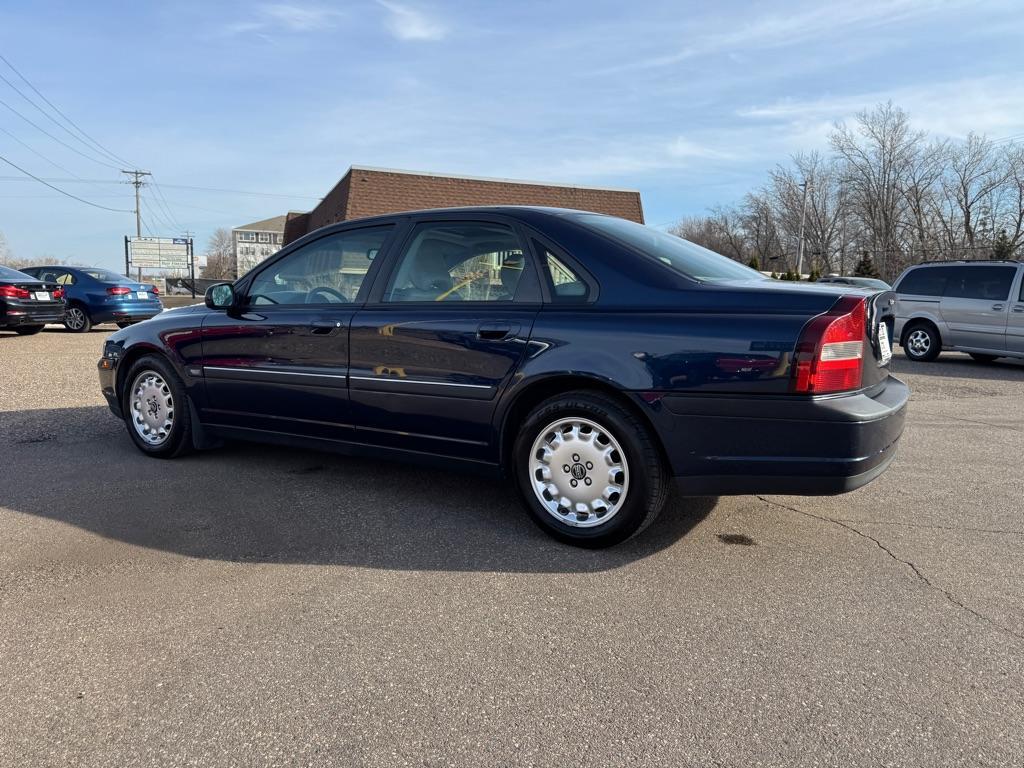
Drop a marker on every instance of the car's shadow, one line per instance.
(248, 502)
(952, 365)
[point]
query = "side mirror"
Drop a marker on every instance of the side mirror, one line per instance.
(220, 296)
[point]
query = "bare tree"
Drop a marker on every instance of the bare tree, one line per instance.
(220, 256)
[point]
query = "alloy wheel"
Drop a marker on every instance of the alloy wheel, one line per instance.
(74, 318)
(919, 341)
(579, 472)
(152, 408)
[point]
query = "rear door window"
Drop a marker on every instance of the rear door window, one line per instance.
(989, 283)
(926, 281)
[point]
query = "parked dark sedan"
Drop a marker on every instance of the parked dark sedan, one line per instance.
(95, 295)
(590, 359)
(26, 303)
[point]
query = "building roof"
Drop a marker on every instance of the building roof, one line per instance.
(275, 224)
(365, 192)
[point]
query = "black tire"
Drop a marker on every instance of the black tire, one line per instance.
(983, 358)
(124, 323)
(76, 318)
(645, 483)
(921, 342)
(27, 330)
(178, 438)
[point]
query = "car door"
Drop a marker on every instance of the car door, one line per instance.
(441, 337)
(975, 303)
(1015, 320)
(280, 362)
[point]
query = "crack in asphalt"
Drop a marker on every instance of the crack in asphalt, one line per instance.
(914, 569)
(986, 423)
(958, 529)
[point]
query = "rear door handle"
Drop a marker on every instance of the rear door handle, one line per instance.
(324, 327)
(497, 331)
(998, 307)
(1019, 308)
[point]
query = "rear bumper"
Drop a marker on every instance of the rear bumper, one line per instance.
(15, 313)
(786, 445)
(129, 311)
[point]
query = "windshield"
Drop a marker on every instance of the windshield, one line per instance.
(105, 275)
(6, 273)
(684, 257)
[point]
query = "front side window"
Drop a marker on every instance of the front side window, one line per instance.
(989, 283)
(464, 261)
(925, 281)
(327, 271)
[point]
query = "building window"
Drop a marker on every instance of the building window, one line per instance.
(264, 237)
(247, 236)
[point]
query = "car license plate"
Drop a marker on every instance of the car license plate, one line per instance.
(42, 295)
(143, 294)
(883, 342)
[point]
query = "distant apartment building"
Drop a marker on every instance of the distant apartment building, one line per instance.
(255, 242)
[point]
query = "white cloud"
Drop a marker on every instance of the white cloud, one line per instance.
(408, 23)
(289, 17)
(990, 105)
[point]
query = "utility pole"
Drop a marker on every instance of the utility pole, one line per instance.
(191, 261)
(137, 182)
(800, 247)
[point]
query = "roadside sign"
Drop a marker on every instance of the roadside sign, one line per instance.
(158, 252)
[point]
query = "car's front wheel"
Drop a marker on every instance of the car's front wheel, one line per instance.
(77, 320)
(588, 470)
(155, 408)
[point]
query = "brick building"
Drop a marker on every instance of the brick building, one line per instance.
(374, 191)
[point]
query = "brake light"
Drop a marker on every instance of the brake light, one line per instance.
(59, 293)
(830, 352)
(13, 292)
(154, 290)
(119, 290)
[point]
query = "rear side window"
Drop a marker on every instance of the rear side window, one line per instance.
(990, 283)
(926, 281)
(566, 285)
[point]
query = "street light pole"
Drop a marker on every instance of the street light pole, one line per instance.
(800, 246)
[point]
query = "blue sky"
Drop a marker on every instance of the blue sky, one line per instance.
(689, 102)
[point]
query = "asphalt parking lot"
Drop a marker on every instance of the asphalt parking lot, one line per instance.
(262, 606)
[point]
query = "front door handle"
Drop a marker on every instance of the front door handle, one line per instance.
(1019, 308)
(324, 327)
(497, 331)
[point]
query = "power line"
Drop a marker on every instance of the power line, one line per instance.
(38, 154)
(58, 189)
(180, 186)
(59, 141)
(59, 112)
(163, 202)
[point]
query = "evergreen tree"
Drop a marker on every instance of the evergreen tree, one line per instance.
(1002, 248)
(753, 263)
(866, 267)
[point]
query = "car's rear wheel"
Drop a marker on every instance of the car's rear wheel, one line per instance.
(588, 470)
(983, 358)
(921, 343)
(155, 408)
(27, 330)
(77, 320)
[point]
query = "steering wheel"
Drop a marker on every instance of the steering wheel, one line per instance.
(327, 292)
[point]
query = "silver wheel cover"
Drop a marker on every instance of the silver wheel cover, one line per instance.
(151, 408)
(578, 471)
(919, 342)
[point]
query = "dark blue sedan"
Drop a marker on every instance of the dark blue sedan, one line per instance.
(591, 360)
(96, 295)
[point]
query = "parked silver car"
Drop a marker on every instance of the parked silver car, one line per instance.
(971, 306)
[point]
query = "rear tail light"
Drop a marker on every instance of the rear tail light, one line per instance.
(830, 352)
(13, 292)
(154, 290)
(119, 290)
(59, 293)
